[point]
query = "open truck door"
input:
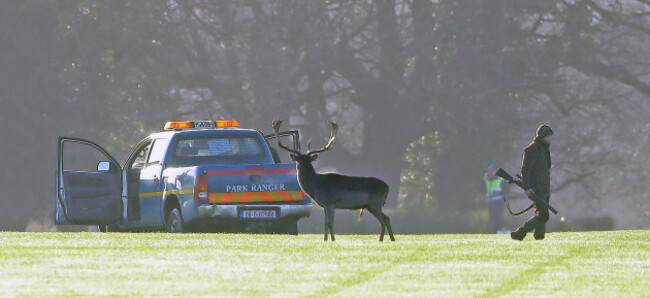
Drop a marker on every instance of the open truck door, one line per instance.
(287, 137)
(88, 184)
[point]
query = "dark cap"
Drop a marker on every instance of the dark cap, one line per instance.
(544, 131)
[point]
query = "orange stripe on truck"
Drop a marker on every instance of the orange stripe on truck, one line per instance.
(265, 196)
(255, 197)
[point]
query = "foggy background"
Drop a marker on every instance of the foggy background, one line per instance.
(427, 94)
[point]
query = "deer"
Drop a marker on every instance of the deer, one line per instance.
(333, 191)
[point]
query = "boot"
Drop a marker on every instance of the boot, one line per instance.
(518, 234)
(539, 232)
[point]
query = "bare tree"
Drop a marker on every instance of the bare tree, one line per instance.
(460, 84)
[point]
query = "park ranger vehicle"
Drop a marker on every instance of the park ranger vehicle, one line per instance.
(194, 175)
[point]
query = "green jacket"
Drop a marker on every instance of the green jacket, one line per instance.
(536, 167)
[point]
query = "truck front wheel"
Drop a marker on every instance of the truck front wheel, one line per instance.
(174, 222)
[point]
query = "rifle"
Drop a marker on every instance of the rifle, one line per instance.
(503, 174)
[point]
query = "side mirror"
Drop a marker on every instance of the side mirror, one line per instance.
(104, 166)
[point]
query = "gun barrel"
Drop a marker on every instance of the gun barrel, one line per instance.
(503, 174)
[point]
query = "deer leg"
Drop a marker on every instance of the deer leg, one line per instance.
(390, 230)
(326, 222)
(330, 220)
(380, 217)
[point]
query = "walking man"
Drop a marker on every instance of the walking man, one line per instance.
(536, 180)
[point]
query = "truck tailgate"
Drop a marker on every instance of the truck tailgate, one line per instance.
(253, 184)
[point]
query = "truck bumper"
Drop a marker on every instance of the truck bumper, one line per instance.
(231, 211)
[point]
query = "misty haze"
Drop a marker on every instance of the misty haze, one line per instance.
(427, 95)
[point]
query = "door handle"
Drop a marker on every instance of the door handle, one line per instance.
(155, 178)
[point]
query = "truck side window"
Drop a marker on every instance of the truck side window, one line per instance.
(158, 151)
(141, 156)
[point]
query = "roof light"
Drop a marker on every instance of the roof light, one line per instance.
(227, 123)
(176, 125)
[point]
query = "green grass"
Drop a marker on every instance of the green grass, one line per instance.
(158, 264)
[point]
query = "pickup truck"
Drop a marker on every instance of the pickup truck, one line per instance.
(194, 175)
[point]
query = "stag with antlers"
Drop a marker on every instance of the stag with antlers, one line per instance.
(333, 191)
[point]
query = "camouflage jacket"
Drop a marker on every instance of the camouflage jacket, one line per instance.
(536, 167)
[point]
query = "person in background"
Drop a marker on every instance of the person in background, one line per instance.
(495, 190)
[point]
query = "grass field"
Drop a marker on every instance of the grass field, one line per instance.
(158, 264)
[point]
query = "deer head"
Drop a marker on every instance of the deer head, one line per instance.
(311, 155)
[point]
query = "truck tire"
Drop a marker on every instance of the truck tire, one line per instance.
(174, 222)
(287, 227)
(109, 228)
(292, 228)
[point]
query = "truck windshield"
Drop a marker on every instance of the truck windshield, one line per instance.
(221, 149)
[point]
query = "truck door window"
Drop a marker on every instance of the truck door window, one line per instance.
(141, 156)
(78, 157)
(280, 155)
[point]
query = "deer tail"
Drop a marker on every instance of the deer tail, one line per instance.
(360, 215)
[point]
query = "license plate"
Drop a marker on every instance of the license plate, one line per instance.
(258, 214)
(203, 124)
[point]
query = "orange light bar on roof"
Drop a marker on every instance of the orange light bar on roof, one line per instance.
(179, 125)
(227, 123)
(176, 125)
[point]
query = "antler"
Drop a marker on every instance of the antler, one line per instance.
(335, 128)
(276, 128)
